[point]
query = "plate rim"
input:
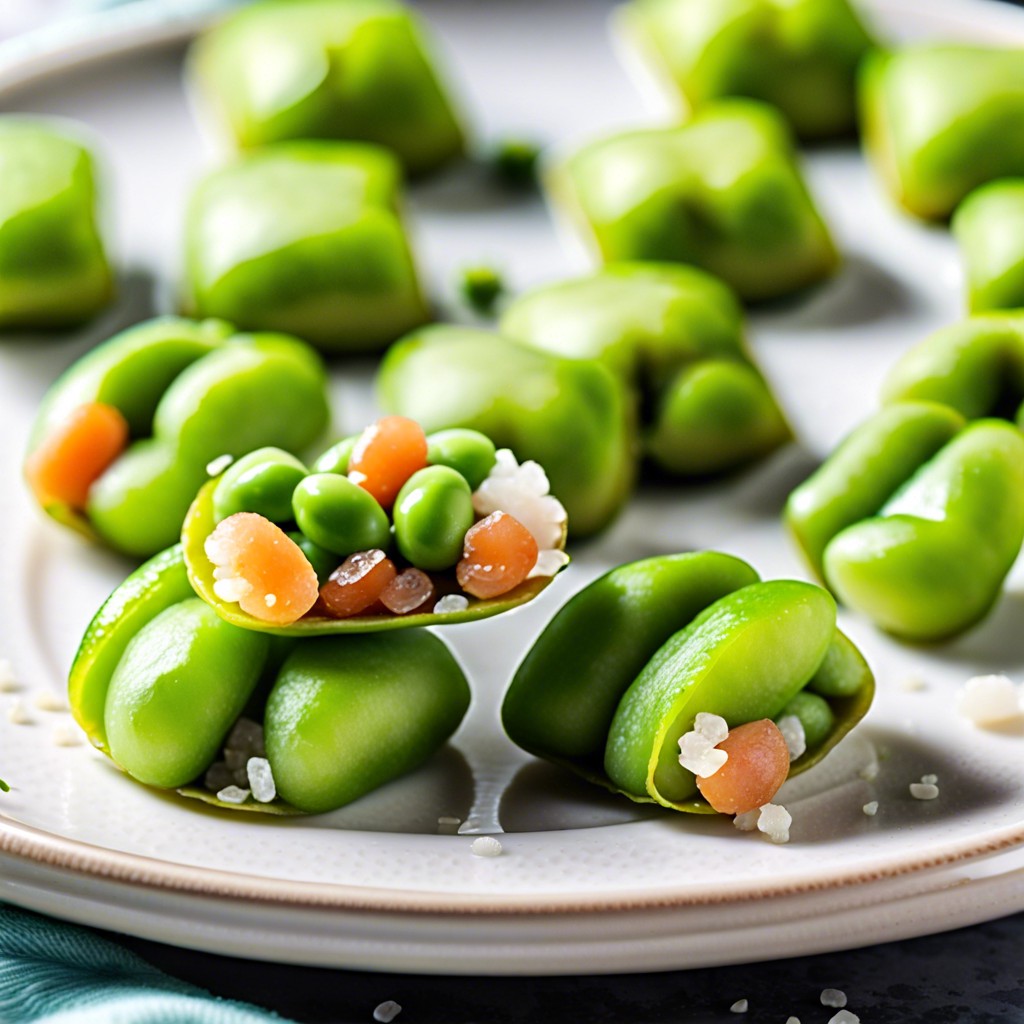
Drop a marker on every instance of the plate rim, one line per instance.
(98, 37)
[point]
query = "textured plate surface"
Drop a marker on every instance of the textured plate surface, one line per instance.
(587, 882)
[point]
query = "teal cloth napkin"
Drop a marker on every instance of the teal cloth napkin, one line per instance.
(55, 973)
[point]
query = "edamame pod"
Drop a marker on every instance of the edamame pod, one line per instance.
(621, 671)
(916, 533)
(180, 685)
(186, 394)
(348, 714)
(674, 335)
(988, 226)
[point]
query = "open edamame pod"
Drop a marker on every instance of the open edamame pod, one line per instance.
(161, 683)
(698, 194)
(387, 533)
(123, 439)
(800, 56)
(572, 416)
(342, 70)
(975, 367)
(916, 519)
(622, 670)
(941, 119)
(674, 335)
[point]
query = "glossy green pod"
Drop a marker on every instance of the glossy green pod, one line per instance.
(570, 415)
(941, 119)
(54, 271)
(305, 237)
(800, 56)
(182, 682)
(932, 561)
(188, 391)
(342, 69)
(348, 714)
(674, 335)
(262, 482)
(864, 471)
(433, 512)
(744, 658)
(563, 696)
(154, 587)
(989, 228)
(975, 366)
(698, 194)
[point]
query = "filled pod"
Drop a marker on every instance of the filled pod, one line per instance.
(620, 675)
(392, 528)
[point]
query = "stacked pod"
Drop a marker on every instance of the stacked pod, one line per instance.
(168, 683)
(621, 673)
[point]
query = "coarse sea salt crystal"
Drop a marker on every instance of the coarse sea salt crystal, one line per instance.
(18, 714)
(792, 730)
(924, 790)
(261, 779)
(740, 1006)
(792, 1020)
(774, 821)
(523, 491)
(834, 998)
(451, 603)
(46, 700)
(987, 700)
(930, 780)
(747, 821)
(844, 1017)
(870, 808)
(233, 795)
(217, 466)
(448, 825)
(698, 751)
(387, 1011)
(485, 846)
(8, 681)
(66, 736)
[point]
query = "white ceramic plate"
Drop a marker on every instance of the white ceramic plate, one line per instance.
(586, 882)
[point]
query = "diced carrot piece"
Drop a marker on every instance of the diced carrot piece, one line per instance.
(76, 453)
(758, 765)
(408, 591)
(262, 568)
(497, 555)
(387, 453)
(357, 583)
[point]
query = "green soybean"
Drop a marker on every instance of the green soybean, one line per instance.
(261, 482)
(815, 716)
(466, 451)
(324, 562)
(339, 515)
(335, 459)
(432, 513)
(348, 714)
(182, 682)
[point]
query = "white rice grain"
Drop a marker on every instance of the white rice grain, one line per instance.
(924, 790)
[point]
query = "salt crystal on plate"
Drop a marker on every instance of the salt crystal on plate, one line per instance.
(833, 997)
(930, 780)
(924, 790)
(870, 808)
(485, 846)
(17, 714)
(387, 1011)
(774, 821)
(451, 603)
(8, 682)
(49, 701)
(844, 1017)
(448, 826)
(740, 1006)
(66, 736)
(986, 700)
